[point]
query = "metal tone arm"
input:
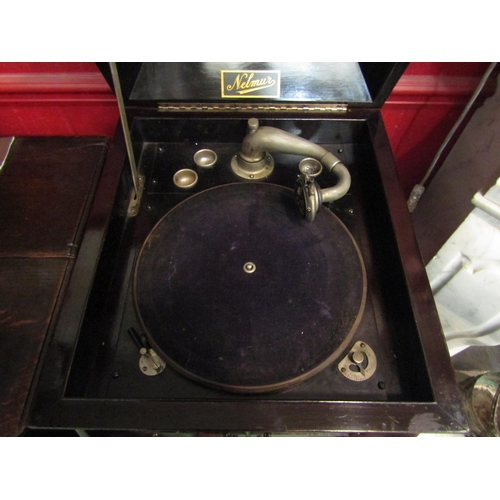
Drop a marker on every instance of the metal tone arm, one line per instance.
(255, 162)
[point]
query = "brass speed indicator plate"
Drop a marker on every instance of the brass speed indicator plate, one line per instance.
(360, 364)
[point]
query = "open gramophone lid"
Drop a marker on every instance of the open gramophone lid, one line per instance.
(235, 291)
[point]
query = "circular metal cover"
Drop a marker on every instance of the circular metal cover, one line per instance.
(185, 178)
(248, 332)
(205, 158)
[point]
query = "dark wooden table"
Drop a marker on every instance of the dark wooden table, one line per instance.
(46, 188)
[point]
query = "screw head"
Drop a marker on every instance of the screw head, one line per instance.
(249, 267)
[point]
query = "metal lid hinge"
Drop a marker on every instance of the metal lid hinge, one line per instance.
(253, 108)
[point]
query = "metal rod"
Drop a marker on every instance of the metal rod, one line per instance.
(418, 189)
(472, 100)
(5, 144)
(126, 131)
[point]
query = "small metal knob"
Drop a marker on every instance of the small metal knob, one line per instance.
(358, 357)
(253, 125)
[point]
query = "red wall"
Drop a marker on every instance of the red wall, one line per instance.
(55, 99)
(74, 99)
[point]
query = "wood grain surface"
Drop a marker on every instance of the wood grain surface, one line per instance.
(46, 187)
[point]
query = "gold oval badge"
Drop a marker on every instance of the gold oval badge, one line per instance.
(250, 84)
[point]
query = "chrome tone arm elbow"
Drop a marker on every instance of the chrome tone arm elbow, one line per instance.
(334, 165)
(262, 140)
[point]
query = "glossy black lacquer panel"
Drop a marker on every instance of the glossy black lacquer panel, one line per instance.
(300, 82)
(361, 84)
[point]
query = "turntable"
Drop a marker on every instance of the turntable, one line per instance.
(251, 268)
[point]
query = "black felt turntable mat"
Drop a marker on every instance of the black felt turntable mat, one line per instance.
(240, 331)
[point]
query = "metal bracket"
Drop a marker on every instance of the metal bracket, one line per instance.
(150, 363)
(135, 200)
(360, 364)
